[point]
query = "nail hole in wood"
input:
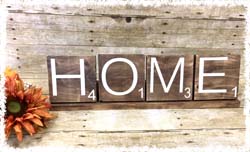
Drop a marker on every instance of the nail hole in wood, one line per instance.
(226, 133)
(232, 43)
(37, 138)
(234, 35)
(91, 31)
(14, 38)
(199, 13)
(91, 40)
(161, 52)
(91, 21)
(241, 15)
(178, 118)
(186, 134)
(189, 142)
(163, 42)
(19, 67)
(8, 6)
(55, 8)
(181, 124)
(84, 120)
(165, 23)
(163, 32)
(17, 49)
(81, 145)
(13, 29)
(92, 50)
(89, 9)
(237, 26)
(128, 19)
(167, 12)
(17, 58)
(82, 136)
(11, 19)
(83, 126)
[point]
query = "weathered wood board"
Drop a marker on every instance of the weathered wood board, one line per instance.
(216, 77)
(160, 128)
(169, 78)
(121, 77)
(72, 78)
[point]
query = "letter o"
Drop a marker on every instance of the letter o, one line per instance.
(104, 72)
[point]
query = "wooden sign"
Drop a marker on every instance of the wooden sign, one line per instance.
(72, 78)
(216, 77)
(121, 77)
(170, 78)
(192, 81)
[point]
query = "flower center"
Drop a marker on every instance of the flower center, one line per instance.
(14, 107)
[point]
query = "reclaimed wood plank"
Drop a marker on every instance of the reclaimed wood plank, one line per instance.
(163, 11)
(191, 127)
(158, 139)
(69, 89)
(210, 82)
(121, 77)
(147, 120)
(33, 37)
(109, 24)
(181, 88)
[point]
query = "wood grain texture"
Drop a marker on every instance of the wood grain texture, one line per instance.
(118, 25)
(39, 37)
(230, 67)
(120, 77)
(167, 65)
(148, 105)
(157, 139)
(164, 11)
(69, 90)
(160, 128)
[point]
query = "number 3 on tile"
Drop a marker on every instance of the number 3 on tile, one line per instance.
(187, 93)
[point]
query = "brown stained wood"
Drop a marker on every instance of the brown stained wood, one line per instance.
(149, 105)
(167, 65)
(69, 90)
(230, 81)
(119, 77)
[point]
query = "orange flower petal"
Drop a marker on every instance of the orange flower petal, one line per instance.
(20, 95)
(28, 116)
(37, 121)
(28, 126)
(19, 133)
(7, 132)
(43, 113)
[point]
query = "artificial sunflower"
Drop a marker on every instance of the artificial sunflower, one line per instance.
(27, 109)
